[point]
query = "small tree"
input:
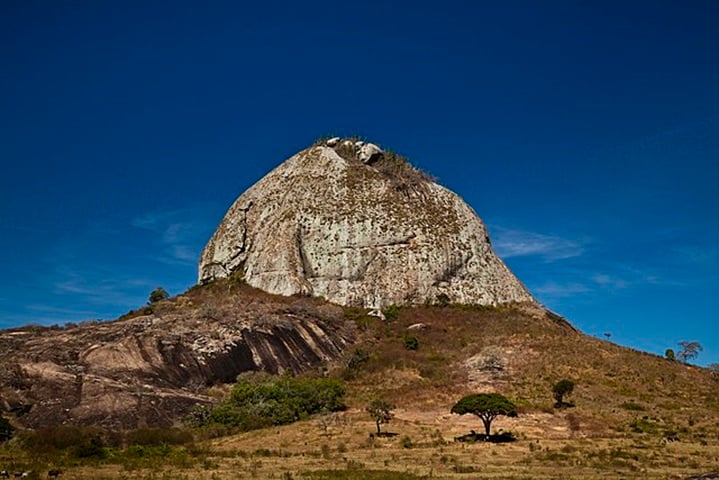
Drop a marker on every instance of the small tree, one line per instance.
(6, 430)
(381, 412)
(670, 355)
(690, 350)
(158, 295)
(560, 390)
(411, 342)
(714, 370)
(487, 406)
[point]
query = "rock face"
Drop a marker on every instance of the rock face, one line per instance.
(150, 370)
(358, 226)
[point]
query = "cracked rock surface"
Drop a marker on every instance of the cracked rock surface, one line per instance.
(358, 226)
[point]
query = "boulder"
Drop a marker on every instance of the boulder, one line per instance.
(369, 152)
(359, 234)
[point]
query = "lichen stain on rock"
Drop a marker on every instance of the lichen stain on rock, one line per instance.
(358, 227)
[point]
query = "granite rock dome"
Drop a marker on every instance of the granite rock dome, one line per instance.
(349, 222)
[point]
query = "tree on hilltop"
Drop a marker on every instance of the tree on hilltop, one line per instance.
(689, 351)
(158, 295)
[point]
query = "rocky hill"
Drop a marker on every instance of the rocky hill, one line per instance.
(151, 367)
(305, 272)
(349, 222)
(342, 220)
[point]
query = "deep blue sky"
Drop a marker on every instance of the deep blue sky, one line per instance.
(585, 134)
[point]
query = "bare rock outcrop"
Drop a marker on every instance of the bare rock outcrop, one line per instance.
(152, 368)
(348, 222)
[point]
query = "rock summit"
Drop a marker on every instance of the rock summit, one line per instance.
(359, 226)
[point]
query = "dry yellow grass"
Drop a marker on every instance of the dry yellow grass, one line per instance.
(296, 450)
(627, 406)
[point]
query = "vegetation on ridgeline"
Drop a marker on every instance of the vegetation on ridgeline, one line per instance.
(157, 295)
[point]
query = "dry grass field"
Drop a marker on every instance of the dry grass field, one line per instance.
(634, 415)
(423, 448)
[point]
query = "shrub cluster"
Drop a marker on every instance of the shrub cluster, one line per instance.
(6, 430)
(260, 400)
(89, 442)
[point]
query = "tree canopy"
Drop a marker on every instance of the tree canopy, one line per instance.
(258, 400)
(560, 389)
(157, 295)
(487, 406)
(689, 351)
(381, 412)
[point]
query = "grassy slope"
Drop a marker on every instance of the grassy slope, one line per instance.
(626, 403)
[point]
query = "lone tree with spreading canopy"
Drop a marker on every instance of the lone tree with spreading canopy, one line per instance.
(487, 406)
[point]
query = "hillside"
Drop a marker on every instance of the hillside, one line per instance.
(342, 277)
(635, 415)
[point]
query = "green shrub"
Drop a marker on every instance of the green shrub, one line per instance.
(90, 448)
(561, 389)
(410, 342)
(157, 295)
(52, 439)
(6, 430)
(643, 425)
(391, 313)
(258, 400)
(405, 442)
(632, 406)
(356, 360)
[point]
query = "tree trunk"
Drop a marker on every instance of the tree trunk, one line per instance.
(378, 432)
(487, 422)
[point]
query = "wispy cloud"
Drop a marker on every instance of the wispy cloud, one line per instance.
(560, 290)
(609, 281)
(697, 255)
(98, 288)
(510, 243)
(60, 311)
(181, 232)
